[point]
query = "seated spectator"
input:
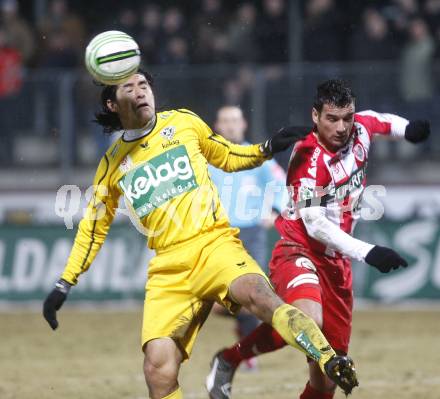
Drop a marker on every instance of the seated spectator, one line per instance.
(211, 13)
(61, 21)
(237, 89)
(173, 38)
(373, 40)
(400, 12)
(220, 49)
(202, 47)
(432, 17)
(10, 87)
(18, 33)
(175, 52)
(417, 82)
(148, 37)
(241, 34)
(407, 7)
(59, 52)
(272, 32)
(323, 37)
(212, 48)
(128, 21)
(208, 26)
(173, 23)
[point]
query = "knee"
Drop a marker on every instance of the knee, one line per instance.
(256, 304)
(259, 291)
(253, 297)
(161, 367)
(160, 373)
(255, 294)
(243, 290)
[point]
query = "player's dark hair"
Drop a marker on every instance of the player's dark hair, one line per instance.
(109, 120)
(335, 92)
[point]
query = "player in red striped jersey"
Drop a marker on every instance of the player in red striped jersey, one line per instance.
(311, 263)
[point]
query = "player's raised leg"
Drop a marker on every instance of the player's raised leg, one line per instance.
(265, 339)
(253, 292)
(161, 368)
(296, 328)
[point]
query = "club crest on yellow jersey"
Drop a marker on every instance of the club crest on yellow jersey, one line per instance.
(168, 133)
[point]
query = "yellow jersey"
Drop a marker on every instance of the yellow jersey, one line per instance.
(164, 180)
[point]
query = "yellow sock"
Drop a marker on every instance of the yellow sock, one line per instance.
(177, 394)
(301, 332)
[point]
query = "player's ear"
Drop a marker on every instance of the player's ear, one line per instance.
(112, 106)
(315, 116)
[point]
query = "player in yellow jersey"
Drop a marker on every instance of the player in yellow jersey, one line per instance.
(159, 166)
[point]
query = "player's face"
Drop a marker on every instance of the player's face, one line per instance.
(334, 125)
(231, 124)
(135, 103)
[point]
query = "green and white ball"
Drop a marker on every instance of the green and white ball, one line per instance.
(112, 57)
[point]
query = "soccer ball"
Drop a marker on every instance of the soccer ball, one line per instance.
(112, 57)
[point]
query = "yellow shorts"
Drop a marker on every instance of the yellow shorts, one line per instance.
(185, 280)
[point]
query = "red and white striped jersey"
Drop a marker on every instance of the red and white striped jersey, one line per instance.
(334, 181)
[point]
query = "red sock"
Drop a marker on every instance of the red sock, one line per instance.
(312, 393)
(262, 340)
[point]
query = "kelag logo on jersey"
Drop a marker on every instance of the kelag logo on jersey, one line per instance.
(159, 180)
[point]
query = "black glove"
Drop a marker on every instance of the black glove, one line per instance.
(54, 301)
(385, 259)
(284, 138)
(417, 131)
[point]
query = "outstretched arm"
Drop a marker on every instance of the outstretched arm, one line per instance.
(231, 157)
(414, 131)
(320, 228)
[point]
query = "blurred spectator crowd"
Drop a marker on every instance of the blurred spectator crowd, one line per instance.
(174, 33)
(42, 34)
(219, 31)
